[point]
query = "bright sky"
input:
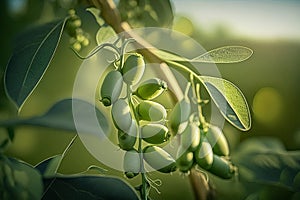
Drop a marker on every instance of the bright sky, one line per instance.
(264, 19)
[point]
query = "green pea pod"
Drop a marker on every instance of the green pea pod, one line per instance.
(184, 159)
(221, 168)
(190, 137)
(218, 141)
(121, 115)
(133, 69)
(127, 140)
(155, 133)
(151, 111)
(151, 89)
(111, 87)
(179, 114)
(204, 154)
(131, 163)
(159, 159)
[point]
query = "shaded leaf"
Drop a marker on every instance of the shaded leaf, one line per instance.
(227, 54)
(260, 162)
(104, 33)
(230, 101)
(60, 116)
(87, 187)
(30, 60)
(49, 166)
(19, 180)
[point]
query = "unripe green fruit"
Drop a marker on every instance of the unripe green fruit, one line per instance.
(76, 46)
(159, 159)
(127, 140)
(184, 159)
(221, 168)
(85, 42)
(131, 163)
(155, 133)
(151, 111)
(121, 115)
(133, 69)
(204, 154)
(151, 89)
(111, 87)
(218, 141)
(190, 137)
(180, 114)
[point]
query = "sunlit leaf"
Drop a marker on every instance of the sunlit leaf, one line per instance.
(104, 33)
(96, 13)
(19, 180)
(227, 54)
(230, 101)
(87, 187)
(30, 60)
(60, 116)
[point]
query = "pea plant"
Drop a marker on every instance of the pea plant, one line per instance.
(142, 125)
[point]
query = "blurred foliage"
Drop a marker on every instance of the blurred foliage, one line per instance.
(269, 80)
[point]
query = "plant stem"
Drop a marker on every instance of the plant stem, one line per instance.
(140, 150)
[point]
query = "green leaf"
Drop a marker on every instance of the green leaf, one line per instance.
(60, 116)
(227, 54)
(19, 180)
(230, 101)
(104, 33)
(264, 160)
(30, 60)
(87, 187)
(49, 166)
(96, 13)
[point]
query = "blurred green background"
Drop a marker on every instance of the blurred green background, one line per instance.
(269, 79)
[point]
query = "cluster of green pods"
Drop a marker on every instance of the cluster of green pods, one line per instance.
(78, 38)
(145, 119)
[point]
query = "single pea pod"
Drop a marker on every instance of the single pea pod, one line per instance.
(121, 115)
(221, 168)
(180, 114)
(133, 69)
(184, 159)
(155, 133)
(131, 163)
(111, 87)
(151, 88)
(204, 155)
(151, 111)
(127, 140)
(217, 140)
(159, 159)
(190, 137)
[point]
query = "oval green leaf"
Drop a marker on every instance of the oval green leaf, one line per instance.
(60, 116)
(227, 54)
(30, 60)
(230, 101)
(104, 33)
(87, 187)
